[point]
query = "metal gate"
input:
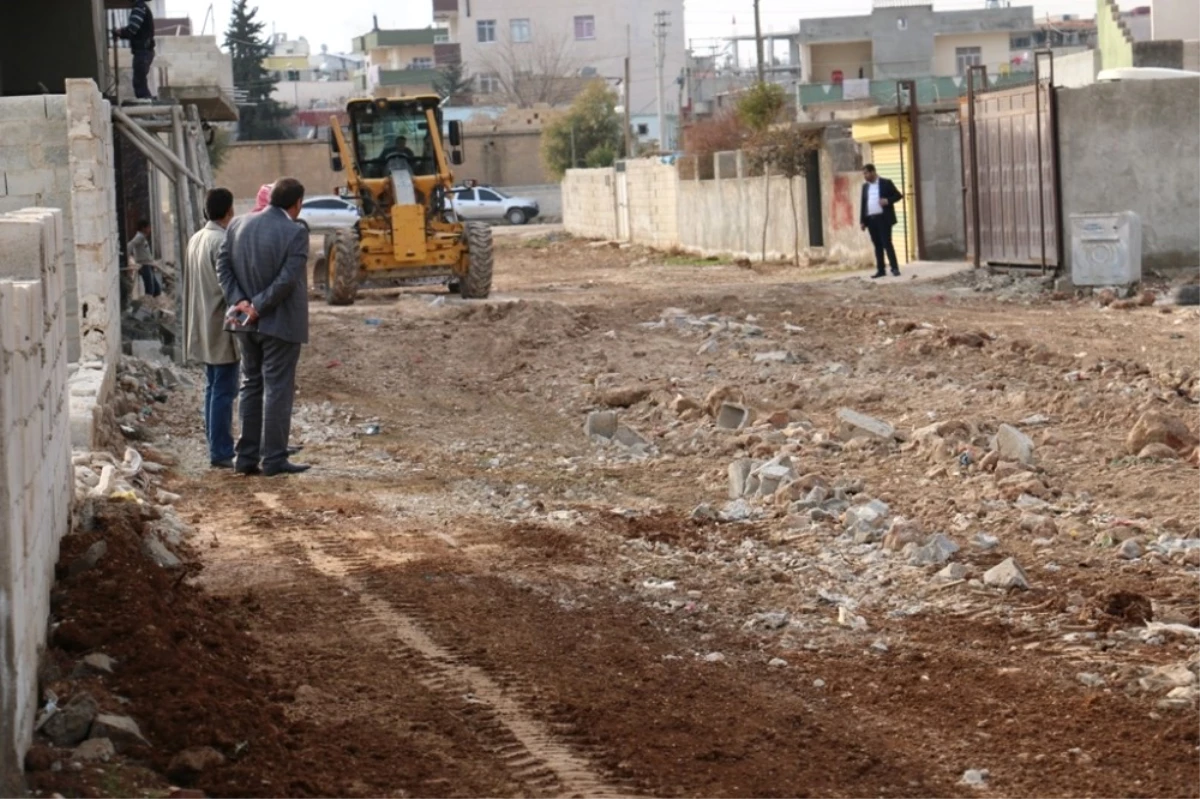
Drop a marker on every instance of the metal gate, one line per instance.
(1010, 152)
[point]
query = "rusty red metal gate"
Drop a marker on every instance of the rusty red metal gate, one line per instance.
(1010, 150)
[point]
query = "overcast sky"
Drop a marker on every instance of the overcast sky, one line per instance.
(336, 22)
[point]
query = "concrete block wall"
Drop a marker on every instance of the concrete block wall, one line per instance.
(93, 215)
(36, 478)
(589, 203)
(34, 172)
(723, 216)
(654, 208)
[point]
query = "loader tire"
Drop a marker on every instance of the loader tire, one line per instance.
(341, 286)
(477, 283)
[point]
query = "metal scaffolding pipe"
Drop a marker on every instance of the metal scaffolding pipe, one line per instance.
(158, 146)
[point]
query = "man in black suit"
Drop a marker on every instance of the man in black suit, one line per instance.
(878, 216)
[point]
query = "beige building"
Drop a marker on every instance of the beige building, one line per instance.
(399, 62)
(519, 50)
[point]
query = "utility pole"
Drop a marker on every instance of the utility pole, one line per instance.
(630, 148)
(661, 24)
(758, 43)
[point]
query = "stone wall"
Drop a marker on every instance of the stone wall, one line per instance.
(35, 460)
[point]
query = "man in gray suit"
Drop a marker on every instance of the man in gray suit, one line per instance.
(263, 267)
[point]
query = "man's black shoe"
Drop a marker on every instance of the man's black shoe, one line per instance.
(878, 274)
(287, 467)
(895, 273)
(225, 464)
(250, 469)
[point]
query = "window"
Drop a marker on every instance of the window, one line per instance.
(422, 63)
(466, 194)
(441, 36)
(965, 57)
(293, 75)
(489, 83)
(643, 129)
(1020, 42)
(485, 30)
(585, 28)
(518, 30)
(487, 196)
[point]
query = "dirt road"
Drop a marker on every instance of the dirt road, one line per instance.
(467, 596)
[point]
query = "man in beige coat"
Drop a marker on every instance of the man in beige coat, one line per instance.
(204, 336)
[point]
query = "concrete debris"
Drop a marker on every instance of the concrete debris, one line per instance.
(94, 750)
(776, 356)
(703, 513)
(732, 416)
(69, 724)
(622, 397)
(777, 663)
(937, 549)
(99, 663)
(121, 730)
(601, 424)
(88, 559)
(736, 511)
(1129, 550)
(630, 439)
(714, 657)
(1006, 574)
(1013, 445)
(952, 572)
(1090, 679)
(157, 551)
(858, 425)
(902, 532)
(1157, 451)
(866, 521)
(194, 761)
(975, 778)
(847, 618)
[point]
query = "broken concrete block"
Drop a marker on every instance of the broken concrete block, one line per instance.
(773, 474)
(601, 424)
(1013, 445)
(858, 425)
(733, 416)
(121, 730)
(739, 477)
(952, 572)
(1006, 574)
(937, 549)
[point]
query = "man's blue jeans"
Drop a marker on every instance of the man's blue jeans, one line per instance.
(219, 393)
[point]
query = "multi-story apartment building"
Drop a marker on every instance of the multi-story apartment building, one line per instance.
(524, 52)
(400, 62)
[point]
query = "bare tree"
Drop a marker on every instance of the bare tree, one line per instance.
(538, 71)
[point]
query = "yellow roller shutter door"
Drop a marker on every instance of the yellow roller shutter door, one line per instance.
(887, 156)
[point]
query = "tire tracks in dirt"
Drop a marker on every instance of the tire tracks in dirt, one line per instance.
(550, 761)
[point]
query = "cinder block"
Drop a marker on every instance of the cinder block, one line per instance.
(32, 107)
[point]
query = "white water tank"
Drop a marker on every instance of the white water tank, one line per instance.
(1106, 249)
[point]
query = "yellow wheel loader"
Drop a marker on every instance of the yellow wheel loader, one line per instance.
(397, 167)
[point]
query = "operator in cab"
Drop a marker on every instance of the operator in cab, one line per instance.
(399, 148)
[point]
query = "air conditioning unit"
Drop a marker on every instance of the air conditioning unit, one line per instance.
(1106, 249)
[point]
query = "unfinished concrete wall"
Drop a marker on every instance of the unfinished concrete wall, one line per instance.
(1132, 146)
(181, 61)
(34, 172)
(940, 193)
(56, 152)
(35, 460)
(589, 203)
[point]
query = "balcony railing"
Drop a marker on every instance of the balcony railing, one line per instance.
(883, 92)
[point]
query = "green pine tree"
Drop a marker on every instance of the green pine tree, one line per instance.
(260, 118)
(455, 82)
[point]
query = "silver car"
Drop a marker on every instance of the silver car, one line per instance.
(485, 203)
(328, 212)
